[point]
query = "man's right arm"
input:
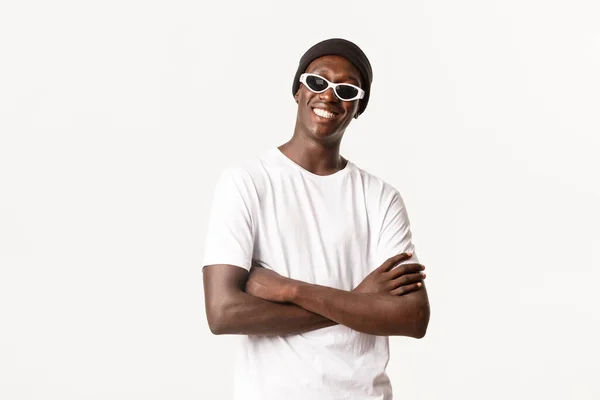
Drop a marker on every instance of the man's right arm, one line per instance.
(232, 311)
(227, 259)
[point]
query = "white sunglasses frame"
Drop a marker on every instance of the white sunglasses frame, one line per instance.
(360, 95)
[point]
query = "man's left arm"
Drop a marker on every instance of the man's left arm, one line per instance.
(376, 314)
(372, 313)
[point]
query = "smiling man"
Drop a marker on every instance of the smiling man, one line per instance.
(309, 256)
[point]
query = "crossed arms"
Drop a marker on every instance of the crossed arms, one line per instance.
(389, 301)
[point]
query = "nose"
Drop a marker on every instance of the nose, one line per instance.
(328, 96)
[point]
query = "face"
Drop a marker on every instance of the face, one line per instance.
(336, 69)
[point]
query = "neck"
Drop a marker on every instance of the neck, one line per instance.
(317, 157)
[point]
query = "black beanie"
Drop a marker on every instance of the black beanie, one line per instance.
(346, 49)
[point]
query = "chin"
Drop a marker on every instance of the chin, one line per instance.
(326, 134)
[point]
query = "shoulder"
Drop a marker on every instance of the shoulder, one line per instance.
(382, 198)
(376, 188)
(250, 173)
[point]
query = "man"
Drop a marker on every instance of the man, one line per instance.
(311, 257)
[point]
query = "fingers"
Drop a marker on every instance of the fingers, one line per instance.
(405, 269)
(406, 280)
(393, 261)
(407, 289)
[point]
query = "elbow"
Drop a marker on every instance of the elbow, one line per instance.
(415, 322)
(216, 326)
(420, 331)
(421, 322)
(219, 318)
(215, 322)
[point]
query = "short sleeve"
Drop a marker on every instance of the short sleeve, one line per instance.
(230, 233)
(395, 236)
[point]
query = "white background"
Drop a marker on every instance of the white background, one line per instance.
(116, 118)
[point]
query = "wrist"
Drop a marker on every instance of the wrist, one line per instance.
(292, 291)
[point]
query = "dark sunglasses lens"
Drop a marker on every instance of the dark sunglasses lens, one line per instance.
(346, 92)
(316, 83)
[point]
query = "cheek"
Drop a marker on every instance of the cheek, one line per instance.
(303, 100)
(305, 96)
(351, 108)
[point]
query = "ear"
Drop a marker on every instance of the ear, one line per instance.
(297, 95)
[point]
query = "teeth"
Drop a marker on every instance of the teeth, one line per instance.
(323, 113)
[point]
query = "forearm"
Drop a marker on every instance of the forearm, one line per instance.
(244, 314)
(376, 314)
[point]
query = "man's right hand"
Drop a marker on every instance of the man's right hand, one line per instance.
(404, 279)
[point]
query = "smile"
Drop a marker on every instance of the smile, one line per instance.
(324, 113)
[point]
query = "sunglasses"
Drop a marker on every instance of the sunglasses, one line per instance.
(343, 91)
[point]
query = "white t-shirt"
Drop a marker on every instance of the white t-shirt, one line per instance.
(328, 230)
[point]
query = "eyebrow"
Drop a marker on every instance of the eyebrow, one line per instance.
(343, 78)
